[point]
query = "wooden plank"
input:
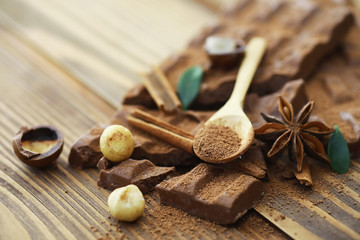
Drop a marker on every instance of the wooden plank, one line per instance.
(330, 210)
(42, 87)
(105, 44)
(64, 203)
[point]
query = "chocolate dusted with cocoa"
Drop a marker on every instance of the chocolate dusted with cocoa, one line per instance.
(85, 152)
(251, 162)
(104, 163)
(212, 193)
(142, 173)
(299, 34)
(335, 88)
(254, 105)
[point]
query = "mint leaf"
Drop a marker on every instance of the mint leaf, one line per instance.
(338, 152)
(189, 85)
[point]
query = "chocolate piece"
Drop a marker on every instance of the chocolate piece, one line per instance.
(86, 152)
(139, 95)
(293, 91)
(251, 162)
(338, 102)
(39, 146)
(104, 163)
(299, 34)
(213, 193)
(141, 173)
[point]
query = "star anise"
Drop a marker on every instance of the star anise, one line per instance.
(301, 134)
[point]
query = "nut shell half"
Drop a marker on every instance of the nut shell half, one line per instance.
(34, 137)
(228, 60)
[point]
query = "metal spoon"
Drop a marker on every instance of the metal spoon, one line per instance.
(231, 114)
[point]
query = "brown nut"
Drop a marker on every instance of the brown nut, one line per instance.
(39, 146)
(226, 59)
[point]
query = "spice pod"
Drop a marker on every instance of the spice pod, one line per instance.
(39, 146)
(231, 55)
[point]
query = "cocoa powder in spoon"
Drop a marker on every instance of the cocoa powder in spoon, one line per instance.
(216, 141)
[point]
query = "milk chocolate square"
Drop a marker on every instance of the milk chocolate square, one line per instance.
(141, 173)
(212, 193)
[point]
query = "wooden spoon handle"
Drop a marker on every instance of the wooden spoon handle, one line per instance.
(253, 54)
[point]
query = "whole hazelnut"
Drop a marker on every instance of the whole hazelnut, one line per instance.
(126, 203)
(116, 143)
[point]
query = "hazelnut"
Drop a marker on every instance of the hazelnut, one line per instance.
(39, 146)
(116, 143)
(126, 203)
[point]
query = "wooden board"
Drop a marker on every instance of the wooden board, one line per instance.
(68, 63)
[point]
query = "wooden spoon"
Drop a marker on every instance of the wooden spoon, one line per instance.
(231, 114)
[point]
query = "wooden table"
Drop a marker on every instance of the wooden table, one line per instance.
(68, 64)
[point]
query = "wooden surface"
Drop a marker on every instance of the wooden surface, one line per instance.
(68, 64)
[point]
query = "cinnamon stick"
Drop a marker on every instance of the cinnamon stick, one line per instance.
(149, 118)
(161, 91)
(157, 128)
(304, 176)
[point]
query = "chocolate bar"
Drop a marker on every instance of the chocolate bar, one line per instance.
(293, 91)
(104, 163)
(141, 173)
(251, 162)
(299, 34)
(336, 89)
(212, 193)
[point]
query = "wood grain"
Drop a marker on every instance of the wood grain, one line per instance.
(69, 63)
(60, 203)
(105, 44)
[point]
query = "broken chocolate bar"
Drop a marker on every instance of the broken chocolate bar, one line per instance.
(86, 152)
(141, 173)
(104, 163)
(293, 91)
(335, 88)
(299, 34)
(251, 162)
(213, 193)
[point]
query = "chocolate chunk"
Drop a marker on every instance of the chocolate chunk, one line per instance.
(141, 173)
(293, 91)
(336, 89)
(139, 96)
(104, 163)
(86, 152)
(338, 102)
(213, 193)
(251, 162)
(299, 35)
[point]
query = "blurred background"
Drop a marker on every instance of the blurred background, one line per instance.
(104, 44)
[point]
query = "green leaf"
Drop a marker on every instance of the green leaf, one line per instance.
(338, 152)
(189, 85)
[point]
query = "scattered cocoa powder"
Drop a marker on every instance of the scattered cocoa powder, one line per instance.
(216, 142)
(166, 222)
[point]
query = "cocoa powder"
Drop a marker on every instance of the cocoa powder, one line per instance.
(216, 142)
